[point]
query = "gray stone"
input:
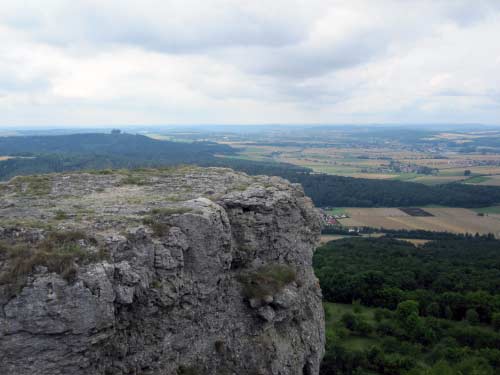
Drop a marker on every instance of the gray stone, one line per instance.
(267, 313)
(163, 301)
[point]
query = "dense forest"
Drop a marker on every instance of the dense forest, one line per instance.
(339, 191)
(395, 308)
(44, 154)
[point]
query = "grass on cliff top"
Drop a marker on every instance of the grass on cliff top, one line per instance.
(59, 252)
(166, 170)
(142, 176)
(156, 220)
(267, 280)
(32, 185)
(170, 210)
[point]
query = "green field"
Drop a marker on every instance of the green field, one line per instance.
(477, 180)
(406, 176)
(336, 211)
(488, 210)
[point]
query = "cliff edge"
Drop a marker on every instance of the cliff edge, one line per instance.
(174, 271)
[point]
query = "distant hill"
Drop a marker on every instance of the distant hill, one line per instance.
(45, 154)
(119, 143)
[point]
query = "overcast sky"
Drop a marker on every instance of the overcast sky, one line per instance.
(96, 62)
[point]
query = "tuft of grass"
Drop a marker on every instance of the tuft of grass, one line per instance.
(156, 284)
(173, 198)
(240, 187)
(155, 220)
(165, 211)
(159, 228)
(103, 172)
(267, 280)
(133, 180)
(59, 252)
(60, 215)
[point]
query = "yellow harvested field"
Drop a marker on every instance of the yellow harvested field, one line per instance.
(378, 212)
(456, 220)
(329, 237)
(349, 222)
(449, 211)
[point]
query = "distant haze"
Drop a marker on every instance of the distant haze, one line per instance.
(100, 63)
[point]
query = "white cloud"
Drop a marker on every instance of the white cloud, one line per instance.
(89, 62)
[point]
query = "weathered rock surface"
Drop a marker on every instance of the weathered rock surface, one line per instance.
(168, 297)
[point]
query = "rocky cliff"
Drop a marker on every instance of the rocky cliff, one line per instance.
(174, 271)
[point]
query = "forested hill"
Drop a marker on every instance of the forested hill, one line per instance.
(45, 154)
(116, 144)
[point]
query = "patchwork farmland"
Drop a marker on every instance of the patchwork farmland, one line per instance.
(440, 219)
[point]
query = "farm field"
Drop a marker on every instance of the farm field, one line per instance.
(437, 179)
(492, 180)
(380, 162)
(494, 210)
(329, 237)
(443, 219)
(334, 237)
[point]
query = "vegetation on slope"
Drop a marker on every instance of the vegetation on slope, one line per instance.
(433, 309)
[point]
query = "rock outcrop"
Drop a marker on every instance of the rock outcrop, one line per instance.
(175, 271)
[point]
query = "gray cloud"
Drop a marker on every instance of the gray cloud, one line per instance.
(467, 13)
(89, 61)
(171, 26)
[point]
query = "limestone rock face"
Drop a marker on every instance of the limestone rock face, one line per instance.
(177, 271)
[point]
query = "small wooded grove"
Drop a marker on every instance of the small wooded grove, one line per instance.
(434, 309)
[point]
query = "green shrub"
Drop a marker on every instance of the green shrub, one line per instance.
(349, 321)
(472, 316)
(133, 180)
(356, 304)
(267, 280)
